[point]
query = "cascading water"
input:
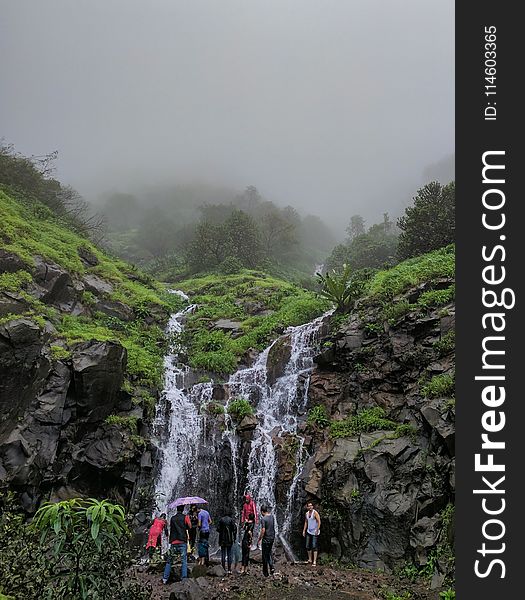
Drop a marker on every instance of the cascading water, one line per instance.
(278, 410)
(197, 457)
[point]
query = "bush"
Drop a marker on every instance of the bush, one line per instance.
(342, 289)
(230, 265)
(317, 416)
(439, 386)
(240, 408)
(75, 549)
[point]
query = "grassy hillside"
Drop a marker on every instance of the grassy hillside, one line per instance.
(30, 233)
(259, 306)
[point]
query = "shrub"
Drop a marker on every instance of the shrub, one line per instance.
(343, 288)
(230, 265)
(446, 344)
(317, 416)
(130, 423)
(439, 386)
(240, 408)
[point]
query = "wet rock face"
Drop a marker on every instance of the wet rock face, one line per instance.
(53, 431)
(382, 494)
(98, 372)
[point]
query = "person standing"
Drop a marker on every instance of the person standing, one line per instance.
(203, 524)
(267, 537)
(247, 542)
(311, 530)
(248, 508)
(180, 526)
(227, 533)
(194, 519)
(158, 527)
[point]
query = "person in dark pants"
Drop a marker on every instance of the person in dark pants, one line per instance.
(194, 519)
(227, 533)
(247, 542)
(203, 525)
(179, 533)
(267, 537)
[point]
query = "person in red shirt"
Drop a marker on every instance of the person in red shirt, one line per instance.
(248, 508)
(179, 537)
(158, 527)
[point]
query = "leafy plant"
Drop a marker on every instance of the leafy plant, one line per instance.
(369, 419)
(343, 288)
(240, 408)
(448, 594)
(317, 416)
(439, 386)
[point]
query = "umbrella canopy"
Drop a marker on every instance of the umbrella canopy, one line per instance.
(187, 500)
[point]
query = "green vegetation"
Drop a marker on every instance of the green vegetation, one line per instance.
(439, 386)
(59, 352)
(430, 223)
(240, 408)
(446, 344)
(214, 408)
(75, 549)
(130, 423)
(375, 248)
(427, 268)
(388, 594)
(369, 419)
(344, 288)
(317, 416)
(13, 282)
(264, 307)
(27, 234)
(448, 594)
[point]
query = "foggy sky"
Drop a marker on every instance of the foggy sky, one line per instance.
(333, 106)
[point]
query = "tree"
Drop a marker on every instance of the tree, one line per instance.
(243, 238)
(356, 227)
(277, 234)
(430, 223)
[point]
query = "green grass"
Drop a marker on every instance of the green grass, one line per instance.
(369, 419)
(387, 284)
(227, 297)
(440, 386)
(446, 344)
(13, 282)
(30, 230)
(129, 423)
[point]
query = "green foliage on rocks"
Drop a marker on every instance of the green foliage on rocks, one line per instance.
(240, 408)
(262, 305)
(317, 416)
(368, 419)
(440, 386)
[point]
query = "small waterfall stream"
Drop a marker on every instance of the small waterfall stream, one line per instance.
(198, 458)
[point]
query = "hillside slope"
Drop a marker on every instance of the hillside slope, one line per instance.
(81, 348)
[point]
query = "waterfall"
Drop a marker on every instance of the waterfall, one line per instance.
(178, 424)
(198, 457)
(278, 410)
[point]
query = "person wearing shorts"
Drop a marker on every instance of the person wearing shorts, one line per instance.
(311, 530)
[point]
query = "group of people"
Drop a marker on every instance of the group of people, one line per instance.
(183, 529)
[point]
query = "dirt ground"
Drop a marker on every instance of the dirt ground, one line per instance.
(291, 582)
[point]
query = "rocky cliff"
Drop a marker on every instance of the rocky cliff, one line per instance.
(81, 344)
(380, 432)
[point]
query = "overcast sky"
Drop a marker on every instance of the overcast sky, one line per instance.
(333, 106)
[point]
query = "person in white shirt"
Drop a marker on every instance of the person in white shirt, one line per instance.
(311, 530)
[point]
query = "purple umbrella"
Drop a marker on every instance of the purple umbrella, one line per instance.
(187, 500)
